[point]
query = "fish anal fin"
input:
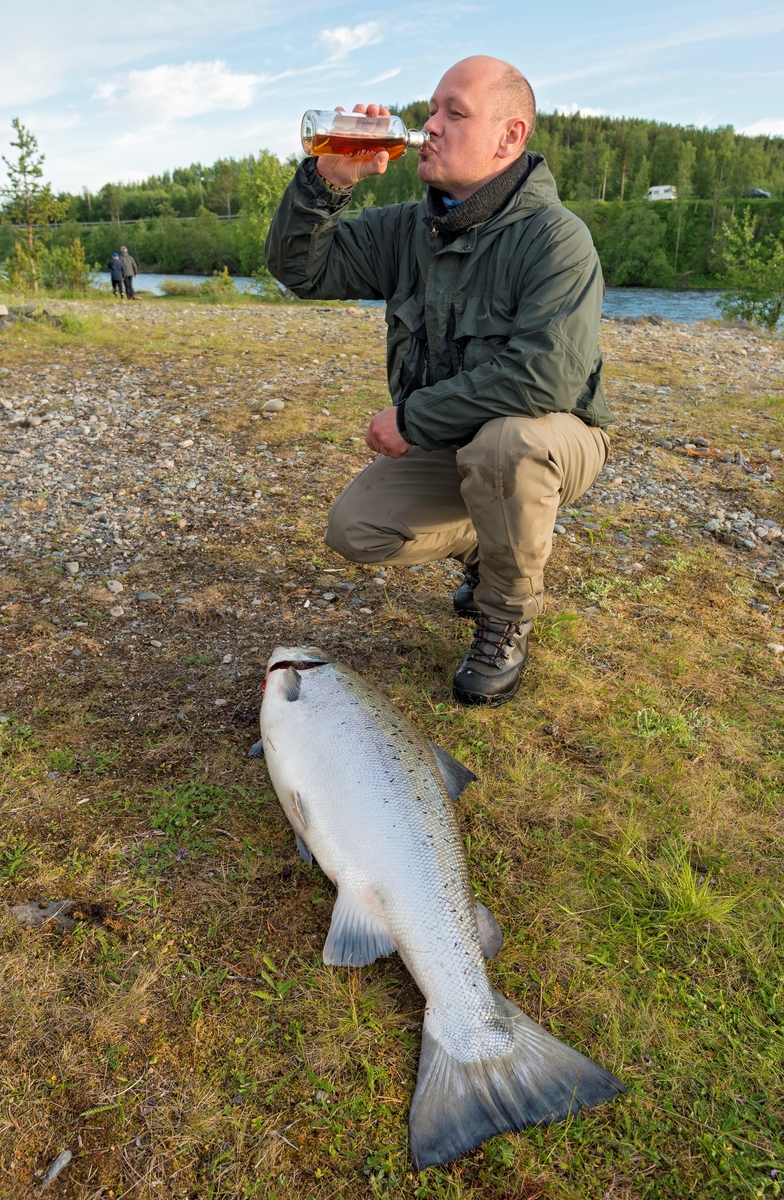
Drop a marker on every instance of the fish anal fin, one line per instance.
(257, 749)
(356, 936)
(490, 933)
(454, 774)
(304, 851)
(458, 1105)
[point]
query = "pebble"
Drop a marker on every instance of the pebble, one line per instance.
(72, 568)
(114, 585)
(59, 1164)
(775, 647)
(117, 611)
(273, 406)
(154, 642)
(220, 703)
(226, 659)
(665, 443)
(557, 528)
(147, 596)
(777, 454)
(703, 442)
(637, 567)
(324, 412)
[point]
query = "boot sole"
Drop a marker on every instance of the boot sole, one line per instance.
(475, 699)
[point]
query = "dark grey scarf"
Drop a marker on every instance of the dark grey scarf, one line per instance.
(480, 207)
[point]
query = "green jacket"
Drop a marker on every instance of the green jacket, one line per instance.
(501, 321)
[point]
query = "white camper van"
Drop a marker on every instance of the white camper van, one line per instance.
(665, 191)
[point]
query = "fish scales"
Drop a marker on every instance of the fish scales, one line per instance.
(372, 800)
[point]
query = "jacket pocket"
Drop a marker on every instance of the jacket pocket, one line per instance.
(407, 357)
(483, 326)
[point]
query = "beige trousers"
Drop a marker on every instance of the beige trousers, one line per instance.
(493, 502)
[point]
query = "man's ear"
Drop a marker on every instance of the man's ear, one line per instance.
(513, 141)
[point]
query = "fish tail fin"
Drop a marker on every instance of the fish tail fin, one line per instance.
(457, 1105)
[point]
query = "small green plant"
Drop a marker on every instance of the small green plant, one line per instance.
(199, 658)
(62, 759)
(13, 858)
(754, 273)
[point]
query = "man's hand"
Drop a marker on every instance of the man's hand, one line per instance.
(344, 172)
(383, 436)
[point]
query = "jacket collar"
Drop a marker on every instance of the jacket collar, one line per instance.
(533, 188)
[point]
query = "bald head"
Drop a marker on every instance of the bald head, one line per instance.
(511, 91)
(482, 114)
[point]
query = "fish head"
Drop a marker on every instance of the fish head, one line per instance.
(284, 671)
(295, 654)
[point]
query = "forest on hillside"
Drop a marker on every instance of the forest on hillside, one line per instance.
(603, 167)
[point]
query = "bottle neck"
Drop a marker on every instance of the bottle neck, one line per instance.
(415, 138)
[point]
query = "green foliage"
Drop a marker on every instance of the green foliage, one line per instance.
(28, 202)
(754, 273)
(634, 247)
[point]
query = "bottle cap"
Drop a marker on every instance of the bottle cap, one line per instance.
(417, 138)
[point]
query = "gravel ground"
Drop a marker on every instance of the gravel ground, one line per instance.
(160, 490)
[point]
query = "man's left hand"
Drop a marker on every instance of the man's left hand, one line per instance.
(383, 436)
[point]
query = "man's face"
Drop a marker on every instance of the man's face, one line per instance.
(465, 132)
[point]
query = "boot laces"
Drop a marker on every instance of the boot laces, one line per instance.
(492, 642)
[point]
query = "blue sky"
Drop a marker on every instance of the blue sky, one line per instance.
(116, 90)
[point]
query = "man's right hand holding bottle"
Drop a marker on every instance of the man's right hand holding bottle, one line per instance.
(342, 171)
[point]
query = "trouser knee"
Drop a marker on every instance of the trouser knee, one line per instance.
(357, 540)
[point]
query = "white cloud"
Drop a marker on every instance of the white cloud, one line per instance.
(381, 78)
(173, 92)
(571, 110)
(343, 39)
(772, 126)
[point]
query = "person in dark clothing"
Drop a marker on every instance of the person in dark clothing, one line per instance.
(115, 268)
(130, 269)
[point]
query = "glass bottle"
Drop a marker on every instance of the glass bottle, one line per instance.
(355, 135)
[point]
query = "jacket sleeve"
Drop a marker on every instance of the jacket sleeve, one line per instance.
(550, 362)
(322, 255)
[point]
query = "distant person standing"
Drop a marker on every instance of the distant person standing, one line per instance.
(130, 269)
(117, 271)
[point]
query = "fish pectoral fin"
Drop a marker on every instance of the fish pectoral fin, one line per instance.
(356, 936)
(490, 933)
(291, 684)
(455, 775)
(304, 850)
(256, 750)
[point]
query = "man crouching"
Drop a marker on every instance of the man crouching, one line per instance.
(494, 294)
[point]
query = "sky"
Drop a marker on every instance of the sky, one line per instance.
(116, 91)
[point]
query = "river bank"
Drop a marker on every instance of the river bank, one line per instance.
(161, 533)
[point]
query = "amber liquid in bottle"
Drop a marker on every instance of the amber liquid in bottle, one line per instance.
(357, 145)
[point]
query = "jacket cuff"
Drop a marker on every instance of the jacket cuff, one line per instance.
(334, 197)
(400, 420)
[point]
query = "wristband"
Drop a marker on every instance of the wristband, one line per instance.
(333, 187)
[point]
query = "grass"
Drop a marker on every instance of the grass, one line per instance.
(186, 1040)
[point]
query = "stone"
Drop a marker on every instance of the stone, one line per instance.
(760, 608)
(117, 611)
(226, 659)
(59, 1164)
(186, 445)
(776, 454)
(148, 596)
(36, 913)
(665, 443)
(114, 585)
(167, 464)
(220, 703)
(3, 310)
(559, 528)
(703, 442)
(712, 526)
(154, 642)
(637, 567)
(328, 596)
(324, 412)
(775, 648)
(273, 406)
(72, 568)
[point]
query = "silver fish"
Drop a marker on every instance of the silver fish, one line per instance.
(372, 801)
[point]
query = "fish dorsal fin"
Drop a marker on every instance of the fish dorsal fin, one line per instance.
(490, 934)
(356, 936)
(304, 850)
(454, 774)
(291, 683)
(256, 750)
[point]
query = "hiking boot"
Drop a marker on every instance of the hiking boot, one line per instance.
(463, 599)
(490, 672)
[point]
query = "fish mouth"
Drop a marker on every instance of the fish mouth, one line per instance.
(304, 658)
(301, 657)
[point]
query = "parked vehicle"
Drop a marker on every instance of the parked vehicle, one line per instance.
(664, 191)
(758, 194)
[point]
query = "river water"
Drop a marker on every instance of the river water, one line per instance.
(682, 307)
